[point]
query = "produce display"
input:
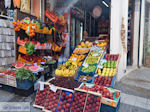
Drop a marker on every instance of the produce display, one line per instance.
(91, 60)
(93, 103)
(41, 96)
(78, 101)
(18, 65)
(86, 44)
(8, 72)
(106, 92)
(62, 82)
(110, 64)
(102, 44)
(23, 74)
(30, 48)
(52, 100)
(103, 81)
(88, 69)
(67, 69)
(111, 57)
(107, 72)
(77, 57)
(81, 51)
(33, 59)
(93, 57)
(65, 101)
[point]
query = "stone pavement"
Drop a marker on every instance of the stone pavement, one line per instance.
(133, 97)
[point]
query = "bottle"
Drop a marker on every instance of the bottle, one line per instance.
(60, 60)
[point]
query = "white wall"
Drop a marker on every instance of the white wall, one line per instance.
(119, 9)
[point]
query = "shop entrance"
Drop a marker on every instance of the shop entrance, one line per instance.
(146, 57)
(130, 32)
(95, 21)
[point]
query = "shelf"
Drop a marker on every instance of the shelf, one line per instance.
(37, 31)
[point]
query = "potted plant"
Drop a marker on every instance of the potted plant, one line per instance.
(25, 79)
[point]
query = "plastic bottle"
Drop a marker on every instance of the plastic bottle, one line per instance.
(60, 60)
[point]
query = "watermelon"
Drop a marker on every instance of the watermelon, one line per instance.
(26, 67)
(34, 68)
(19, 65)
(14, 64)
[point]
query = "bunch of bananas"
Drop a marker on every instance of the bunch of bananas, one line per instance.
(67, 69)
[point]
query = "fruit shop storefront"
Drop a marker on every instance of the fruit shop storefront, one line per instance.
(84, 81)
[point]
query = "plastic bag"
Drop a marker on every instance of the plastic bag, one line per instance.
(7, 3)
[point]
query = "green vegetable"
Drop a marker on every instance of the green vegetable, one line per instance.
(30, 48)
(51, 62)
(23, 74)
(44, 66)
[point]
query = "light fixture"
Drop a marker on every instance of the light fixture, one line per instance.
(105, 3)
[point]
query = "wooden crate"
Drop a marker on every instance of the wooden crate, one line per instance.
(11, 81)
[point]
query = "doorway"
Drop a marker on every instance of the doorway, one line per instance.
(130, 32)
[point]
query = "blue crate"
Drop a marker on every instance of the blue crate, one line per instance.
(81, 73)
(67, 93)
(107, 108)
(26, 84)
(7, 88)
(92, 72)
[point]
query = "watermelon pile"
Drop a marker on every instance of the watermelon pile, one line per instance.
(18, 65)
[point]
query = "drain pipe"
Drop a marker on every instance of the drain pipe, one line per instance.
(139, 35)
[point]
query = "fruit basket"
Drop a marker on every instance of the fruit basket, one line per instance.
(110, 96)
(20, 59)
(22, 50)
(86, 101)
(61, 82)
(105, 81)
(89, 78)
(113, 57)
(81, 51)
(93, 103)
(79, 101)
(93, 57)
(41, 96)
(87, 70)
(65, 100)
(52, 100)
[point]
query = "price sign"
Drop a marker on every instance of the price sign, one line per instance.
(41, 86)
(53, 88)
